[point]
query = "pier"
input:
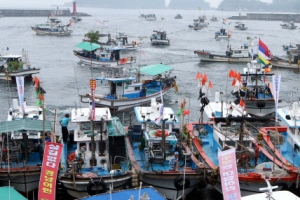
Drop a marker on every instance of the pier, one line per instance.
(268, 17)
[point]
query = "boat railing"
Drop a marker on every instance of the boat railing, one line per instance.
(125, 160)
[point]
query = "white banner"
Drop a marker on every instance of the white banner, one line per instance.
(20, 86)
(276, 87)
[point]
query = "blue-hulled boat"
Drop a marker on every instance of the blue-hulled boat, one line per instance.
(22, 153)
(89, 167)
(229, 130)
(150, 150)
(122, 93)
(138, 193)
(102, 56)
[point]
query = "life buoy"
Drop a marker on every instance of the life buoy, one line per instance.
(99, 187)
(72, 156)
(283, 185)
(211, 56)
(179, 181)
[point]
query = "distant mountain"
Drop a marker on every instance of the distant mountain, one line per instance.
(140, 4)
(258, 6)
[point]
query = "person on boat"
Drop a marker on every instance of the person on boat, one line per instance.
(64, 127)
(173, 161)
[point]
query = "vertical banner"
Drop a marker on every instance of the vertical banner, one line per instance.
(276, 87)
(20, 87)
(229, 175)
(93, 88)
(51, 159)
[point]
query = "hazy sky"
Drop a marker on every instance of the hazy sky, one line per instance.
(48, 3)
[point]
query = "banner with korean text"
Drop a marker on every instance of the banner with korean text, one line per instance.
(229, 175)
(51, 159)
(93, 88)
(20, 87)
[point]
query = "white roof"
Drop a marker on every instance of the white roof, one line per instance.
(293, 112)
(228, 109)
(11, 56)
(83, 114)
(277, 195)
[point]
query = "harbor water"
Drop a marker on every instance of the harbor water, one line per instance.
(63, 78)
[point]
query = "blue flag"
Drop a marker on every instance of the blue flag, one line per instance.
(7, 48)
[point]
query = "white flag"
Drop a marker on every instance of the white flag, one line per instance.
(276, 87)
(20, 87)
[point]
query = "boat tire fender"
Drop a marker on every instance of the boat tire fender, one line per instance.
(211, 56)
(284, 186)
(100, 185)
(179, 181)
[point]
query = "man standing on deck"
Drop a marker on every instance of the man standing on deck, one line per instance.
(173, 161)
(64, 127)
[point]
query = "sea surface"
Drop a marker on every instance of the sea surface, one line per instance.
(63, 78)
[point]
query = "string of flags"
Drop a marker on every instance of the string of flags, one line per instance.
(204, 79)
(236, 82)
(39, 91)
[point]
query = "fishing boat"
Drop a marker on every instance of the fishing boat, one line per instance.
(241, 26)
(241, 54)
(178, 16)
(232, 129)
(92, 163)
(291, 49)
(222, 34)
(12, 65)
(288, 25)
(150, 17)
(214, 19)
(140, 193)
(253, 88)
(102, 56)
(59, 30)
(292, 63)
(22, 152)
(122, 41)
(284, 139)
(159, 38)
(122, 93)
(75, 19)
(150, 151)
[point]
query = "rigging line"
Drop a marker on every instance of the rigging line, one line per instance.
(77, 87)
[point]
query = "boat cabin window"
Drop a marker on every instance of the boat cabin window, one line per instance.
(82, 147)
(221, 142)
(230, 143)
(85, 125)
(246, 143)
(237, 52)
(137, 88)
(119, 84)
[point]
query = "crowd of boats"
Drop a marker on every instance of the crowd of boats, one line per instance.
(105, 155)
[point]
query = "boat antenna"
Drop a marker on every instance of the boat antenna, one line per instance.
(77, 89)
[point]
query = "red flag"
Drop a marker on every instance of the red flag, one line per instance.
(242, 104)
(238, 76)
(186, 112)
(210, 84)
(204, 78)
(231, 73)
(234, 74)
(233, 82)
(203, 81)
(198, 76)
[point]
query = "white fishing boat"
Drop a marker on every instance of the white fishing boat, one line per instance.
(96, 160)
(241, 54)
(288, 25)
(159, 38)
(293, 62)
(122, 93)
(102, 56)
(59, 30)
(214, 19)
(178, 16)
(12, 65)
(75, 19)
(150, 17)
(122, 41)
(222, 34)
(241, 26)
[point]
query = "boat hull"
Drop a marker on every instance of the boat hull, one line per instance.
(122, 104)
(285, 64)
(208, 57)
(164, 184)
(23, 179)
(24, 72)
(68, 33)
(260, 108)
(78, 188)
(160, 42)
